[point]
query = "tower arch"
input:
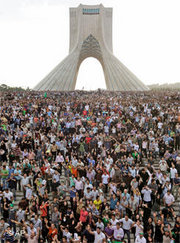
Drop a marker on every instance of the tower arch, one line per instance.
(91, 36)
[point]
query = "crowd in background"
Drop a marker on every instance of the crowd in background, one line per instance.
(91, 167)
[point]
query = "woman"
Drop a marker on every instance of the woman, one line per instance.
(43, 209)
(54, 149)
(5, 209)
(80, 204)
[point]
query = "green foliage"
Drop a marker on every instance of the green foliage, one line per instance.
(4, 87)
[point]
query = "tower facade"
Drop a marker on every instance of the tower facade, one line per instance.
(91, 36)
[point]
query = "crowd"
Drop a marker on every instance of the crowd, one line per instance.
(91, 167)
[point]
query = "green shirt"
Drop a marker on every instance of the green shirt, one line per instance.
(72, 183)
(5, 173)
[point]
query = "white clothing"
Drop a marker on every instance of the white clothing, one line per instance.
(98, 238)
(105, 179)
(140, 240)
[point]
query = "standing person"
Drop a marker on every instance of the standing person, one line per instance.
(105, 180)
(99, 236)
(12, 185)
(140, 238)
(176, 186)
(4, 175)
(138, 228)
(79, 186)
(118, 232)
(3, 227)
(17, 173)
(83, 216)
(127, 226)
(25, 180)
(52, 232)
(158, 237)
(33, 237)
(44, 209)
(147, 195)
(6, 209)
(168, 202)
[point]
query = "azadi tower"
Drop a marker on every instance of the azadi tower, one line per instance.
(91, 36)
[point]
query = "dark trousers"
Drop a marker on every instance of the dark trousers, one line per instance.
(79, 193)
(127, 232)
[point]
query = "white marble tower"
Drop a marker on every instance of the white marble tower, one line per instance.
(91, 36)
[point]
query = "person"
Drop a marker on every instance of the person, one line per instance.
(8, 235)
(99, 236)
(167, 235)
(176, 186)
(140, 238)
(109, 232)
(158, 237)
(52, 232)
(4, 175)
(118, 234)
(105, 180)
(147, 195)
(3, 227)
(33, 237)
(91, 158)
(127, 226)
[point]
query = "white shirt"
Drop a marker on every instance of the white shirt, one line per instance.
(147, 195)
(105, 179)
(118, 233)
(56, 177)
(114, 222)
(98, 238)
(140, 240)
(25, 181)
(168, 198)
(78, 185)
(8, 195)
(173, 171)
(28, 193)
(139, 229)
(126, 224)
(88, 185)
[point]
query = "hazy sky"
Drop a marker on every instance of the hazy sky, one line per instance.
(34, 38)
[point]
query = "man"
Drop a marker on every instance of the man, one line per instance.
(33, 236)
(79, 186)
(37, 222)
(138, 228)
(118, 232)
(8, 235)
(25, 180)
(147, 195)
(88, 194)
(158, 237)
(168, 202)
(8, 194)
(3, 227)
(176, 186)
(140, 239)
(127, 225)
(52, 231)
(4, 175)
(99, 236)
(105, 181)
(168, 199)
(163, 166)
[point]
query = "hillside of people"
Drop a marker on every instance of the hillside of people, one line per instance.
(90, 167)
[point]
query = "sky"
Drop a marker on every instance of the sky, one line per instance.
(34, 38)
